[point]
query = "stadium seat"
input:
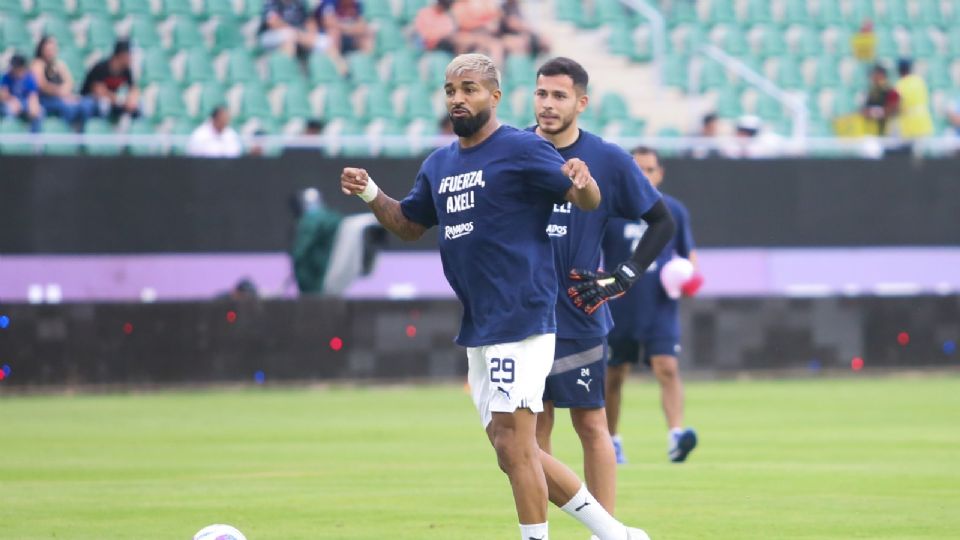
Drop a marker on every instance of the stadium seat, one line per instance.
(363, 68)
(186, 34)
(253, 103)
(337, 104)
(92, 7)
(808, 42)
(886, 44)
(722, 13)
(789, 75)
(936, 73)
(143, 33)
(389, 38)
(16, 36)
(183, 8)
(74, 61)
(156, 67)
(403, 67)
(99, 126)
(621, 39)
(895, 13)
(296, 102)
(400, 147)
(354, 148)
(251, 9)
(611, 12)
(410, 8)
(827, 72)
(435, 66)
(322, 70)
(758, 12)
(227, 35)
(198, 67)
(613, 107)
(283, 68)
(921, 43)
(136, 8)
(144, 127)
(774, 44)
(240, 67)
(519, 70)
(56, 126)
(57, 8)
(929, 13)
(860, 11)
(683, 12)
(100, 35)
(796, 12)
(953, 41)
(12, 126)
(211, 95)
(182, 127)
(568, 10)
(735, 41)
(379, 103)
(728, 103)
(830, 14)
(169, 103)
(675, 71)
(712, 75)
(769, 109)
(223, 9)
(378, 10)
(418, 104)
(58, 27)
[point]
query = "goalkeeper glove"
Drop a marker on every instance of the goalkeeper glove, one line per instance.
(598, 287)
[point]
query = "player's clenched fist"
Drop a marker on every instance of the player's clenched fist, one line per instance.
(358, 182)
(577, 171)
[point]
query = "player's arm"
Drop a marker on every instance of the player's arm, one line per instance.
(599, 287)
(584, 194)
(386, 209)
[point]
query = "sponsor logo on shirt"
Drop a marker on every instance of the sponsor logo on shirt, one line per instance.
(556, 231)
(458, 202)
(452, 232)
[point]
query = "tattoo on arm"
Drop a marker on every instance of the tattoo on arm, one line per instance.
(390, 216)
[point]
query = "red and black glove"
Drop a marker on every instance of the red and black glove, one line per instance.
(598, 287)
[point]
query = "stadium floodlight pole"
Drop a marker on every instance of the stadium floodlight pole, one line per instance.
(796, 103)
(658, 26)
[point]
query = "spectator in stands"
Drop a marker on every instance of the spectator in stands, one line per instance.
(19, 93)
(435, 27)
(110, 84)
(953, 116)
(864, 43)
(285, 25)
(478, 25)
(215, 138)
(344, 25)
(313, 239)
(913, 109)
(708, 130)
(750, 141)
(881, 102)
(56, 85)
(518, 36)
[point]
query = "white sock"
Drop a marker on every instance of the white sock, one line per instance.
(585, 509)
(676, 431)
(616, 438)
(534, 532)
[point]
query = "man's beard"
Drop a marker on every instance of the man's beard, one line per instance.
(467, 126)
(564, 124)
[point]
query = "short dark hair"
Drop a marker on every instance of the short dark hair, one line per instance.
(879, 69)
(645, 151)
(17, 61)
(708, 118)
(904, 66)
(217, 109)
(562, 65)
(121, 46)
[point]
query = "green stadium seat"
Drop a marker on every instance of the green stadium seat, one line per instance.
(283, 69)
(337, 103)
(183, 8)
(860, 11)
(522, 100)
(843, 103)
(568, 10)
(611, 12)
(323, 70)
(669, 133)
(136, 8)
(354, 148)
(56, 126)
(12, 126)
(363, 68)
(99, 126)
(796, 12)
(240, 67)
(769, 109)
(100, 35)
(96, 8)
(841, 42)
(896, 13)
(789, 74)
(410, 8)
(712, 75)
(254, 103)
(613, 108)
(143, 127)
(886, 44)
(758, 12)
(921, 44)
(808, 42)
(928, 13)
(9, 8)
(187, 34)
(143, 33)
(74, 61)
(675, 71)
(830, 14)
(251, 9)
(296, 102)
(589, 18)
(435, 67)
(227, 34)
(621, 39)
(722, 13)
(953, 41)
(693, 38)
(518, 70)
(219, 8)
(389, 38)
(774, 44)
(403, 67)
(827, 72)
(56, 8)
(169, 103)
(378, 10)
(418, 104)
(198, 67)
(396, 148)
(156, 67)
(211, 95)
(379, 103)
(735, 41)
(936, 73)
(683, 12)
(16, 36)
(182, 127)
(728, 103)
(58, 27)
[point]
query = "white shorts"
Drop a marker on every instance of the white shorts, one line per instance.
(510, 376)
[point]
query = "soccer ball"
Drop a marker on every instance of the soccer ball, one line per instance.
(674, 274)
(219, 532)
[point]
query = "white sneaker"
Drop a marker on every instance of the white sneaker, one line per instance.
(632, 534)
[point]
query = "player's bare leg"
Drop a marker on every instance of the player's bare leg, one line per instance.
(599, 460)
(616, 376)
(667, 372)
(513, 436)
(545, 422)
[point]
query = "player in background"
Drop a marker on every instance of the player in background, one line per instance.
(646, 316)
(491, 193)
(576, 381)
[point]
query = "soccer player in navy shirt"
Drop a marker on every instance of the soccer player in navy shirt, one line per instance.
(576, 381)
(648, 316)
(491, 194)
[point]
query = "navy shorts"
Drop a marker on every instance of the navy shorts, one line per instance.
(627, 350)
(578, 375)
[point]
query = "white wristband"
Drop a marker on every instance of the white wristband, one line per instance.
(369, 193)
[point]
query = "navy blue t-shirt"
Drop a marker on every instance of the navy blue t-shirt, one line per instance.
(492, 203)
(634, 312)
(577, 235)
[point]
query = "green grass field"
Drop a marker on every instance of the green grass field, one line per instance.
(812, 459)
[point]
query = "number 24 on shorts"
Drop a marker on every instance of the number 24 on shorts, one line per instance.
(502, 370)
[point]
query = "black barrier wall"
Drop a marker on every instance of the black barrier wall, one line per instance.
(322, 340)
(148, 205)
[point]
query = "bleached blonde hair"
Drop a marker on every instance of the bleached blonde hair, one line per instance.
(474, 63)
